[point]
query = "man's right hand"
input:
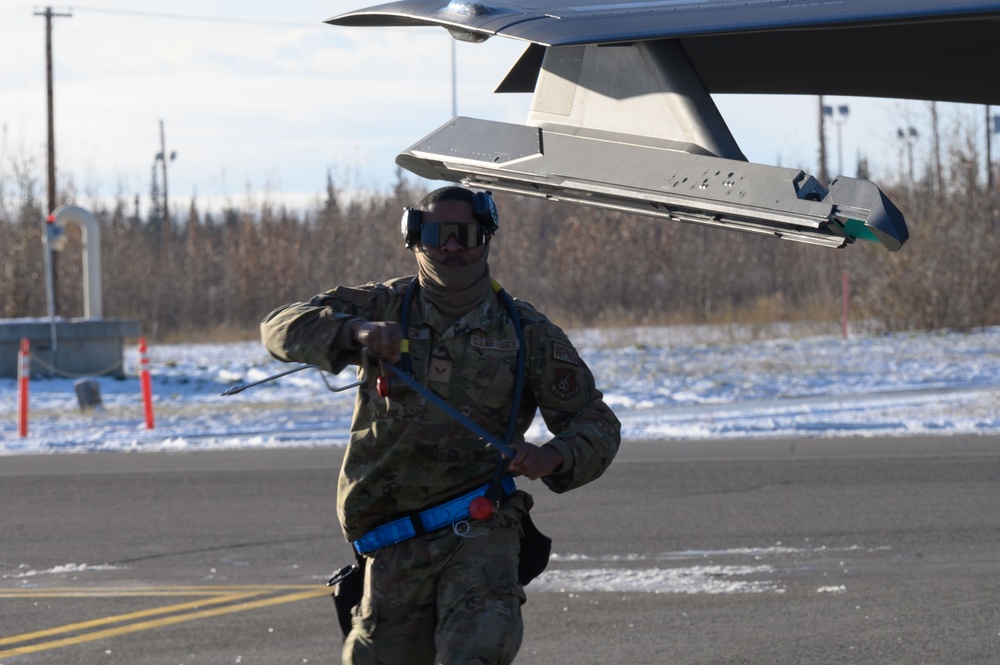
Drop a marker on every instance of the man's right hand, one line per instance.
(381, 337)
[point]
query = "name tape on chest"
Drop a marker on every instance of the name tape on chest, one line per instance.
(494, 344)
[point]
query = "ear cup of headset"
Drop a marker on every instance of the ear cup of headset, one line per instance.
(410, 226)
(484, 209)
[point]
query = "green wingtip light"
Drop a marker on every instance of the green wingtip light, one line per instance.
(858, 230)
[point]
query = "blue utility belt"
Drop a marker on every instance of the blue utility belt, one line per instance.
(425, 521)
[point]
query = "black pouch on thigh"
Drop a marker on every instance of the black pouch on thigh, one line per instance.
(348, 585)
(535, 550)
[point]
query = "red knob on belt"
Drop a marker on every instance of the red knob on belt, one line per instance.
(481, 508)
(382, 386)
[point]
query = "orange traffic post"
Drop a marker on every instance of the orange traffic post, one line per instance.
(845, 296)
(147, 386)
(23, 379)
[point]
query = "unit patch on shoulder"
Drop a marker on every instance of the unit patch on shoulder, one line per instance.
(493, 343)
(565, 353)
(564, 386)
(355, 296)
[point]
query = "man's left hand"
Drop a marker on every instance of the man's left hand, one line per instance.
(534, 461)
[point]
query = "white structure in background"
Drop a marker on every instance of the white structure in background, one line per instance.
(91, 236)
(76, 348)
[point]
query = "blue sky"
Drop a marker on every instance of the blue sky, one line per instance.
(272, 98)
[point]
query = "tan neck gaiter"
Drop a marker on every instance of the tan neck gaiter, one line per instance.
(454, 290)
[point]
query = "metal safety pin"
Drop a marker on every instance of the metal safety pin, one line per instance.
(334, 389)
(428, 395)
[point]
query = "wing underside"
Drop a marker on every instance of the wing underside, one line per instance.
(622, 114)
(910, 49)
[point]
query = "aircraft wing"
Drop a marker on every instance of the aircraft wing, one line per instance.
(941, 50)
(622, 115)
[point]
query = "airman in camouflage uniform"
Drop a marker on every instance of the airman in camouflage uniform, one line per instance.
(451, 595)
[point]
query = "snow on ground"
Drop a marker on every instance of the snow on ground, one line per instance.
(692, 383)
(697, 382)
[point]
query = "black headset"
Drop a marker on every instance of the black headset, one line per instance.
(484, 209)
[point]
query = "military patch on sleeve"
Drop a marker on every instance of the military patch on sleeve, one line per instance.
(565, 353)
(357, 297)
(565, 386)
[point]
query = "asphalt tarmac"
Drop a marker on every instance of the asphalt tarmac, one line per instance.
(804, 551)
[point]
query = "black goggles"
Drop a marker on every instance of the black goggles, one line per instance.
(436, 234)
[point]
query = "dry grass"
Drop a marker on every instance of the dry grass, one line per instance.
(218, 334)
(763, 311)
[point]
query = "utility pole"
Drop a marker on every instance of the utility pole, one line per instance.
(49, 14)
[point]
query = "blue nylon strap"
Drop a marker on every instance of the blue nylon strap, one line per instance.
(432, 518)
(451, 411)
(385, 535)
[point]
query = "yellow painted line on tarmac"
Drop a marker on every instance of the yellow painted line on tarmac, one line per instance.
(122, 592)
(244, 593)
(104, 593)
(84, 625)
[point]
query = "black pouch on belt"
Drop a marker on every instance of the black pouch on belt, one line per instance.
(348, 585)
(535, 550)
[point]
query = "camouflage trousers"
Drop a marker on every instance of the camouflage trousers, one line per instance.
(443, 598)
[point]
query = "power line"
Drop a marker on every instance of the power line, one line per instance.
(193, 17)
(16, 10)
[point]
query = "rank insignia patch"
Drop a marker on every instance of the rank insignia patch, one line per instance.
(439, 371)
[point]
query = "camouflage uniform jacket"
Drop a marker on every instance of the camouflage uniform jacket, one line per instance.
(405, 454)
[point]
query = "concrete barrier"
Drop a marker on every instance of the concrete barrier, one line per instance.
(84, 347)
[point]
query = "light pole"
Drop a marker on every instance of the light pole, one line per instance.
(839, 119)
(162, 158)
(842, 111)
(992, 127)
(454, 79)
(909, 135)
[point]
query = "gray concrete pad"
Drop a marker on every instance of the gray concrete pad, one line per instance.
(771, 551)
